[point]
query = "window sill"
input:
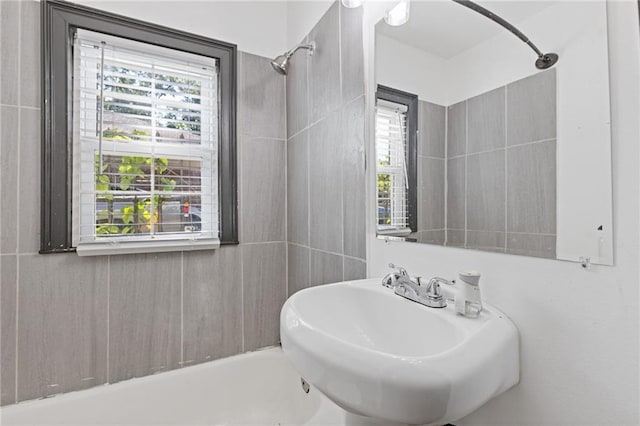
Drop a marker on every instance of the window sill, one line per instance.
(119, 247)
(394, 232)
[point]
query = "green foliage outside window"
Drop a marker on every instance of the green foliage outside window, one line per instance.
(132, 172)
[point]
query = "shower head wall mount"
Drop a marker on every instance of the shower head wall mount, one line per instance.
(281, 63)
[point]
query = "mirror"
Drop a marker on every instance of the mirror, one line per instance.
(477, 148)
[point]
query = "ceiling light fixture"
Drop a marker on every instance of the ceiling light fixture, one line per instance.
(398, 14)
(351, 4)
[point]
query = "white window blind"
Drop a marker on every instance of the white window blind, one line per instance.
(391, 147)
(145, 138)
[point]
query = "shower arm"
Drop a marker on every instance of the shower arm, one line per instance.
(311, 46)
(545, 60)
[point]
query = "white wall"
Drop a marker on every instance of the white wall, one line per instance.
(257, 27)
(426, 76)
(578, 329)
(302, 16)
(265, 28)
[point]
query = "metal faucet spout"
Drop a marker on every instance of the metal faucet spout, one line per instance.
(402, 285)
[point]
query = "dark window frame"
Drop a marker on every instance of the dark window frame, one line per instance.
(59, 21)
(411, 102)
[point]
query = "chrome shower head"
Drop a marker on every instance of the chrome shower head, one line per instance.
(281, 63)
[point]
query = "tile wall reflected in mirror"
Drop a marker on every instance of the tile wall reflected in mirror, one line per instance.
(509, 158)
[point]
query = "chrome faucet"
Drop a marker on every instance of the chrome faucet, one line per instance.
(404, 286)
(393, 279)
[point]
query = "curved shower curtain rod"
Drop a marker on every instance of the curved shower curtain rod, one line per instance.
(544, 61)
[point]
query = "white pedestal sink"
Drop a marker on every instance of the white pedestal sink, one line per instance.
(386, 359)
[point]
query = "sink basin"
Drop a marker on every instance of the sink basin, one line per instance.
(388, 359)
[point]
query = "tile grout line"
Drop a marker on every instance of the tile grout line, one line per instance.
(446, 172)
(431, 157)
(289, 138)
(250, 136)
(286, 191)
(340, 50)
(499, 149)
(181, 309)
(241, 250)
(466, 161)
(532, 234)
(308, 171)
(506, 165)
(253, 243)
(20, 106)
(326, 252)
(342, 136)
(108, 319)
(17, 339)
(517, 145)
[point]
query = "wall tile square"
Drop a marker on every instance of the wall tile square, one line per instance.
(455, 238)
(485, 121)
(29, 181)
(261, 98)
(488, 241)
(263, 190)
(9, 39)
(298, 188)
(298, 268)
(8, 293)
(29, 54)
(264, 272)
(354, 269)
(457, 129)
(297, 93)
(432, 237)
(456, 193)
(353, 179)
(532, 245)
(431, 193)
(351, 50)
(325, 94)
(531, 198)
(212, 304)
(144, 314)
(486, 191)
(431, 129)
(326, 149)
(531, 108)
(8, 175)
(62, 324)
(325, 268)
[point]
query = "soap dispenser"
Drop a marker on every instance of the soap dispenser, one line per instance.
(468, 301)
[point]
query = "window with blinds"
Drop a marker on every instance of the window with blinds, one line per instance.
(145, 142)
(391, 158)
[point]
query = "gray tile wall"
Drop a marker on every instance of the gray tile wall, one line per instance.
(69, 323)
(432, 125)
(501, 169)
(325, 154)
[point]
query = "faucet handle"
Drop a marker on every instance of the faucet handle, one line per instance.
(391, 280)
(400, 269)
(433, 290)
(434, 295)
(441, 280)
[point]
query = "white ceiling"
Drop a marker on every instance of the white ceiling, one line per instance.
(446, 29)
